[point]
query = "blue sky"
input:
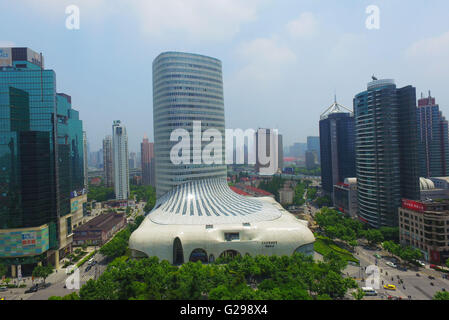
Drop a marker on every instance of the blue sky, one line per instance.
(282, 60)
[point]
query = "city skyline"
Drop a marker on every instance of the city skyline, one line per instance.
(306, 38)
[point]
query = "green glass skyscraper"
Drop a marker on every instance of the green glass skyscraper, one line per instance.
(40, 158)
(386, 151)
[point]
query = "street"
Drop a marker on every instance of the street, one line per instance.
(418, 287)
(57, 281)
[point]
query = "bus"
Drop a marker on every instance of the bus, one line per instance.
(369, 291)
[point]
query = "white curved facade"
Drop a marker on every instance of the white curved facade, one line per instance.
(186, 87)
(206, 219)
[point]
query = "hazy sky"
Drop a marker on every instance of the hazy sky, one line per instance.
(282, 60)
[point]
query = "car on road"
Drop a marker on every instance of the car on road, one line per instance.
(32, 289)
(418, 275)
(390, 287)
(369, 291)
(422, 264)
(377, 256)
(390, 264)
(87, 268)
(2, 289)
(431, 277)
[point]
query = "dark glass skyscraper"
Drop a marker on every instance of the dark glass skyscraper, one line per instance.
(336, 146)
(386, 151)
(433, 138)
(40, 158)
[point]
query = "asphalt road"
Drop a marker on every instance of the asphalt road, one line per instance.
(57, 281)
(419, 288)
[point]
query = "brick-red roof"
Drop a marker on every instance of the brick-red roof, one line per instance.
(257, 190)
(239, 191)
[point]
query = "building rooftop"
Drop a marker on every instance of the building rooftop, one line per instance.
(102, 222)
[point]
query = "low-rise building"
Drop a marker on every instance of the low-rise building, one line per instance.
(345, 197)
(99, 230)
(286, 195)
(434, 188)
(425, 226)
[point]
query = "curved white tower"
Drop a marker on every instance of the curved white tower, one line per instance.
(197, 216)
(186, 87)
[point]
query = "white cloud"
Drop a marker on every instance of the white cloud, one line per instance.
(306, 25)
(429, 57)
(211, 20)
(265, 58)
(5, 43)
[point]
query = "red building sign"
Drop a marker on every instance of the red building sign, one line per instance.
(413, 205)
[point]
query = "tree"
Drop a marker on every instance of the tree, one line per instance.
(374, 236)
(358, 294)
(42, 271)
(3, 269)
(447, 263)
(441, 295)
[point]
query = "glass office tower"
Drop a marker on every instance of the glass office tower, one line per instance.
(386, 151)
(337, 146)
(433, 138)
(186, 87)
(37, 171)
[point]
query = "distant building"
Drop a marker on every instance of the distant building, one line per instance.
(311, 159)
(423, 225)
(132, 160)
(286, 196)
(386, 151)
(107, 160)
(298, 150)
(429, 191)
(345, 197)
(433, 139)
(148, 162)
(337, 146)
(120, 160)
(313, 144)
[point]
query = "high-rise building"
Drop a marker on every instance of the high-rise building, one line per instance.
(147, 161)
(280, 153)
(386, 151)
(298, 150)
(176, 106)
(120, 160)
(107, 162)
(85, 163)
(433, 138)
(313, 144)
(41, 153)
(132, 160)
(311, 159)
(337, 146)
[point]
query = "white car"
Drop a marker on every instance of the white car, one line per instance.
(390, 264)
(422, 264)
